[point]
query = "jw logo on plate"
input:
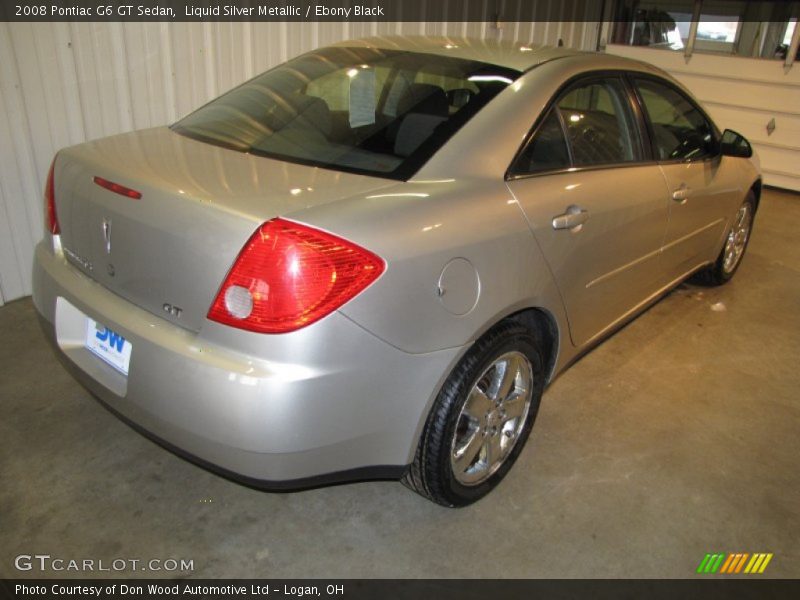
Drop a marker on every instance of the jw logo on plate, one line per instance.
(735, 562)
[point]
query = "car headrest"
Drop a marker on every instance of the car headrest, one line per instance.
(424, 98)
(459, 97)
(415, 129)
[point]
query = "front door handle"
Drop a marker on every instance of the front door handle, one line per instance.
(573, 219)
(682, 193)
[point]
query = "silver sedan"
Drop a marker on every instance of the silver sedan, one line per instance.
(370, 261)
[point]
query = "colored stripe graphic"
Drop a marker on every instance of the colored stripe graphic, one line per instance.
(734, 562)
(751, 564)
(710, 563)
(758, 563)
(765, 563)
(702, 566)
(727, 564)
(741, 563)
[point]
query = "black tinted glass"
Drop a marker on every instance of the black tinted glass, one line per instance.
(547, 150)
(599, 124)
(378, 112)
(680, 131)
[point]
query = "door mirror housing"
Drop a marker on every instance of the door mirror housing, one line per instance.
(735, 144)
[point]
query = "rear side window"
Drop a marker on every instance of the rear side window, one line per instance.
(680, 131)
(600, 126)
(547, 150)
(590, 124)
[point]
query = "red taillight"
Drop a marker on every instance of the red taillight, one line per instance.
(117, 188)
(289, 275)
(50, 201)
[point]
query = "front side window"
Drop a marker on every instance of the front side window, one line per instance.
(365, 110)
(680, 131)
(599, 123)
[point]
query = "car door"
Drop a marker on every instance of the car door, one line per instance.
(686, 144)
(595, 202)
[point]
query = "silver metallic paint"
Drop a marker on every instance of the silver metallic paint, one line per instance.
(327, 398)
(199, 205)
(355, 388)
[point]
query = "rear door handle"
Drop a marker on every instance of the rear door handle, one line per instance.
(572, 219)
(682, 193)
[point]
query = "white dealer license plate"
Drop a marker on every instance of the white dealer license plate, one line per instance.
(108, 345)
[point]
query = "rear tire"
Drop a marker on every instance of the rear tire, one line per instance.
(481, 418)
(736, 241)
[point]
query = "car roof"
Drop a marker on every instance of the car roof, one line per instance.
(520, 56)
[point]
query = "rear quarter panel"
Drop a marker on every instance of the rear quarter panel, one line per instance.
(420, 227)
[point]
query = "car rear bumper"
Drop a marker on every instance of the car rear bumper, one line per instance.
(328, 403)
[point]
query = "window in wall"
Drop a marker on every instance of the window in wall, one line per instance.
(787, 37)
(755, 29)
(653, 23)
(717, 31)
(719, 26)
(783, 48)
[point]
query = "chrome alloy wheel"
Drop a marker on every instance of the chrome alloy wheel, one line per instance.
(737, 238)
(492, 419)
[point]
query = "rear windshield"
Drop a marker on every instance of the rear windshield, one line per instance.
(365, 110)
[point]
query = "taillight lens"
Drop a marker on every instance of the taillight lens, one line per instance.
(289, 275)
(51, 218)
(117, 188)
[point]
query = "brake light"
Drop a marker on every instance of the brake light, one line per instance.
(289, 275)
(51, 218)
(117, 188)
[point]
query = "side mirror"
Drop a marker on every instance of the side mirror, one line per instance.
(735, 144)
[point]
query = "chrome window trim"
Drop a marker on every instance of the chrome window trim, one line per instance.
(563, 171)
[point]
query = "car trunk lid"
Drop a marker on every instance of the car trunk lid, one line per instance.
(169, 250)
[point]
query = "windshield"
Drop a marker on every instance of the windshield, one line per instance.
(365, 110)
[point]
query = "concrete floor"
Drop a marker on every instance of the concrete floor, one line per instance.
(676, 437)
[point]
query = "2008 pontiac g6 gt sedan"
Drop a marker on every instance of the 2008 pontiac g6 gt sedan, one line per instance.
(368, 262)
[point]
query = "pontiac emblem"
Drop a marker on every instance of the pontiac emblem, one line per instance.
(107, 234)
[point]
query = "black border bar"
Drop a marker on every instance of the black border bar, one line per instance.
(301, 10)
(490, 11)
(439, 589)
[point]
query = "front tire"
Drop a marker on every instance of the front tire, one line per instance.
(730, 257)
(481, 418)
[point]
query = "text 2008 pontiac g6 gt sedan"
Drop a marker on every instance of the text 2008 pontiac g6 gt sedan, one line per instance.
(370, 261)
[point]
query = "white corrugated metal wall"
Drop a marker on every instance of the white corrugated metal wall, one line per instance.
(64, 83)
